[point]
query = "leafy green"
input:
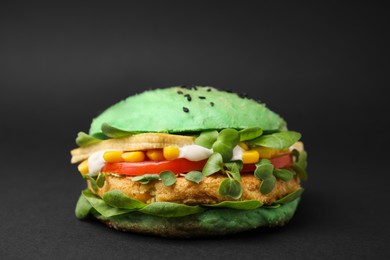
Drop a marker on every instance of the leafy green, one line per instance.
(245, 204)
(250, 133)
(93, 183)
(84, 139)
(100, 180)
(234, 170)
(146, 178)
(264, 169)
(225, 143)
(118, 199)
(230, 187)
(207, 138)
(83, 207)
(170, 209)
(279, 140)
(267, 185)
(283, 174)
(194, 176)
(214, 164)
(168, 178)
(114, 132)
(300, 165)
(290, 197)
(100, 206)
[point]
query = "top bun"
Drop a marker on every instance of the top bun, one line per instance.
(187, 109)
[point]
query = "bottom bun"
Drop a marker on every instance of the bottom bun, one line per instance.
(209, 223)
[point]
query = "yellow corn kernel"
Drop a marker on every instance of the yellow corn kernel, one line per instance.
(113, 156)
(244, 146)
(155, 154)
(265, 152)
(171, 152)
(83, 167)
(251, 156)
(137, 156)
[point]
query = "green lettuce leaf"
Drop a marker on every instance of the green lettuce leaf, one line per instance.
(170, 209)
(245, 204)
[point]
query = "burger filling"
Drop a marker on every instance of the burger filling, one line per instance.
(209, 168)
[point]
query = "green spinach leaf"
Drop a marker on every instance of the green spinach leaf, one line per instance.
(226, 141)
(245, 204)
(283, 174)
(290, 197)
(279, 140)
(84, 139)
(267, 185)
(100, 206)
(250, 133)
(114, 132)
(170, 209)
(118, 199)
(83, 207)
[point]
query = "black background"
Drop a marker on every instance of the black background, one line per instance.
(322, 67)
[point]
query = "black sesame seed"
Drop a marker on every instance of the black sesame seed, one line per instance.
(209, 89)
(195, 88)
(179, 92)
(202, 97)
(229, 91)
(186, 109)
(188, 96)
(212, 104)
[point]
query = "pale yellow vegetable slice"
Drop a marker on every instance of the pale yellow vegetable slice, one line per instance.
(136, 142)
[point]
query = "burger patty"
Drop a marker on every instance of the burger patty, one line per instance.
(187, 192)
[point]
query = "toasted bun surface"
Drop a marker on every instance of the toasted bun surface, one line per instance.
(163, 110)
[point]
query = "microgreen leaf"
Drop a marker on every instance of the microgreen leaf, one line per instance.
(231, 188)
(300, 165)
(279, 140)
(206, 138)
(234, 170)
(194, 176)
(84, 139)
(214, 164)
(290, 197)
(83, 207)
(283, 174)
(267, 185)
(146, 178)
(245, 204)
(264, 169)
(93, 183)
(168, 178)
(250, 133)
(118, 199)
(100, 180)
(226, 141)
(114, 132)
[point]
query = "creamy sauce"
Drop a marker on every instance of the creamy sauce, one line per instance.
(194, 152)
(96, 162)
(237, 153)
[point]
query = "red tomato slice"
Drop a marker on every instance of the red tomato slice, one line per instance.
(180, 166)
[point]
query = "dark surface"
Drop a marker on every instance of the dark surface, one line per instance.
(322, 67)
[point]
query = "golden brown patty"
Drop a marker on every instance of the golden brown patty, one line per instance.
(186, 192)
